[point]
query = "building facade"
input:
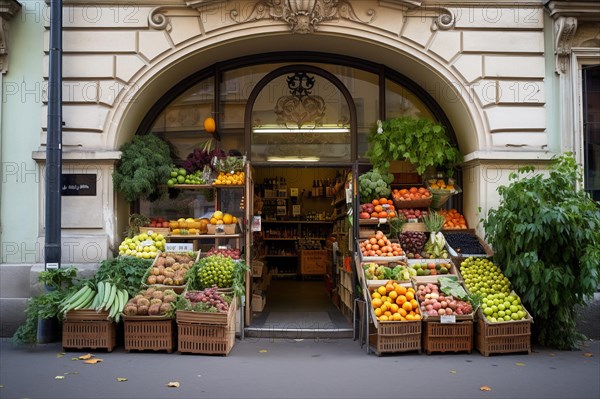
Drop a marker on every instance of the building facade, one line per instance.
(509, 78)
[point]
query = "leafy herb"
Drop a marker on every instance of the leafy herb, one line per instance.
(546, 237)
(144, 166)
(421, 142)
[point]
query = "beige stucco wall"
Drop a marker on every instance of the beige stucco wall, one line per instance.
(487, 71)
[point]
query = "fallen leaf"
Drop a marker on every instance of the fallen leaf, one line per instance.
(71, 372)
(588, 354)
(1, 386)
(60, 354)
(452, 371)
(485, 388)
(74, 358)
(59, 377)
(173, 384)
(263, 351)
(85, 357)
(552, 354)
(92, 361)
(299, 340)
(519, 364)
(121, 379)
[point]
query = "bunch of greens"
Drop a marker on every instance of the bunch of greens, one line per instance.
(546, 237)
(421, 142)
(125, 271)
(433, 221)
(59, 284)
(374, 184)
(145, 166)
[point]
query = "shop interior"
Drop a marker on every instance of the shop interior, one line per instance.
(300, 209)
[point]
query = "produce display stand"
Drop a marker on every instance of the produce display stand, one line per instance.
(390, 336)
(155, 333)
(88, 329)
(503, 337)
(452, 270)
(448, 337)
(205, 332)
(458, 257)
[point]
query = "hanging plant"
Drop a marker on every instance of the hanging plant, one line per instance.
(145, 166)
(421, 142)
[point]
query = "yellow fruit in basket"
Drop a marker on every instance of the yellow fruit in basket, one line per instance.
(227, 219)
(213, 220)
(377, 303)
(378, 312)
(234, 221)
(190, 220)
(220, 222)
(218, 215)
(193, 231)
(176, 231)
(382, 290)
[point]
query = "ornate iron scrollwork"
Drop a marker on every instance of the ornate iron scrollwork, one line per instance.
(301, 108)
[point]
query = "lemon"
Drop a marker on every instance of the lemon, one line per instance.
(218, 215)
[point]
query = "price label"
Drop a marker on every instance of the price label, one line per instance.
(448, 319)
(382, 220)
(179, 247)
(413, 220)
(147, 243)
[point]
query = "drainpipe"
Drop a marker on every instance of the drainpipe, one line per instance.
(54, 142)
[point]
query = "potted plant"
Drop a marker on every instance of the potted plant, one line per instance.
(420, 141)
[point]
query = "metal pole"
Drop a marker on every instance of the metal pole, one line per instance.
(52, 255)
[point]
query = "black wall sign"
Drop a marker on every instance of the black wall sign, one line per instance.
(78, 184)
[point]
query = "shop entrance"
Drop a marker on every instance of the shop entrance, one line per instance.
(296, 292)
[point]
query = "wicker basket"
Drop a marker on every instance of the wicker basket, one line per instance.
(396, 336)
(208, 339)
(419, 203)
(86, 334)
(154, 333)
(448, 337)
(503, 337)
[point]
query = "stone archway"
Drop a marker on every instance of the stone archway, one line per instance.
(430, 57)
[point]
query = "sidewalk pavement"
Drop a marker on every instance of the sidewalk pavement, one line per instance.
(266, 368)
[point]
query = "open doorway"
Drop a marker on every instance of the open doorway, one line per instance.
(303, 224)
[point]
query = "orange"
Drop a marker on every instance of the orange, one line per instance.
(402, 312)
(382, 290)
(417, 317)
(392, 295)
(409, 296)
(227, 218)
(376, 295)
(377, 303)
(414, 304)
(384, 308)
(396, 317)
(400, 290)
(409, 317)
(394, 308)
(213, 220)
(383, 318)
(401, 300)
(389, 287)
(388, 313)
(378, 312)
(407, 306)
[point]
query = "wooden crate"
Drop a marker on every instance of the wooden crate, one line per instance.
(149, 333)
(208, 339)
(396, 336)
(89, 334)
(448, 337)
(503, 337)
(313, 261)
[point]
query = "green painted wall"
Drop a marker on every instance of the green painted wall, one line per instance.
(22, 100)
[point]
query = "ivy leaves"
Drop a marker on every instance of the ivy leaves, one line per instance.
(546, 235)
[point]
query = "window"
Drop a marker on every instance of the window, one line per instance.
(591, 129)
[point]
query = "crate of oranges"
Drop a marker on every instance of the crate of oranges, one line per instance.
(395, 313)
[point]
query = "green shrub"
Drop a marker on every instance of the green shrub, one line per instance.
(546, 236)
